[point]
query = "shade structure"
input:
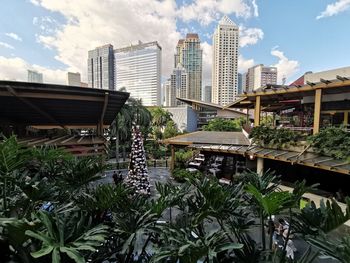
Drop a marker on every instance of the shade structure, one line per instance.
(39, 104)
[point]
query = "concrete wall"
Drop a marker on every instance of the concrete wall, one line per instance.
(328, 74)
(184, 117)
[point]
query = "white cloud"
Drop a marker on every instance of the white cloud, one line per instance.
(207, 63)
(249, 36)
(94, 23)
(14, 36)
(244, 64)
(335, 8)
(286, 68)
(16, 69)
(255, 8)
(207, 11)
(5, 45)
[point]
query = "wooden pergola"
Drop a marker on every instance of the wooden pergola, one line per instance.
(273, 98)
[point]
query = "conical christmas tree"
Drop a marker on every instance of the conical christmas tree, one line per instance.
(138, 175)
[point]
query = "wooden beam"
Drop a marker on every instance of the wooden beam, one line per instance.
(257, 111)
(317, 110)
(34, 107)
(56, 96)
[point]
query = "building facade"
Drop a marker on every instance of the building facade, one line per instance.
(179, 84)
(189, 55)
(207, 94)
(101, 68)
(138, 70)
(184, 117)
(260, 76)
(169, 94)
(73, 79)
(34, 76)
(239, 83)
(327, 75)
(225, 62)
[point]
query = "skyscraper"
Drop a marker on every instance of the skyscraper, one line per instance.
(34, 76)
(179, 83)
(239, 83)
(207, 94)
(73, 79)
(189, 55)
(101, 67)
(225, 60)
(169, 94)
(259, 76)
(138, 70)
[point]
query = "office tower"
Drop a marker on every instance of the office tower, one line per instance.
(207, 94)
(225, 60)
(239, 83)
(169, 94)
(34, 76)
(73, 79)
(101, 67)
(179, 83)
(244, 82)
(189, 55)
(259, 76)
(138, 70)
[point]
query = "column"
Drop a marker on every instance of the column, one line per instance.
(317, 110)
(346, 118)
(260, 166)
(257, 111)
(172, 163)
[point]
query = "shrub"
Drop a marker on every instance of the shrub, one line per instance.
(266, 136)
(219, 124)
(333, 142)
(180, 174)
(182, 157)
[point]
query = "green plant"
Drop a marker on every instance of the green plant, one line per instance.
(182, 157)
(220, 124)
(180, 174)
(332, 141)
(266, 136)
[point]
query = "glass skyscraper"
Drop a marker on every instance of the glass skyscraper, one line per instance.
(189, 55)
(101, 67)
(138, 70)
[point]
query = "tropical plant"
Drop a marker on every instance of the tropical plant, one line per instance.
(220, 124)
(182, 157)
(332, 141)
(181, 174)
(170, 130)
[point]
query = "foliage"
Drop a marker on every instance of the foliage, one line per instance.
(182, 157)
(170, 130)
(180, 174)
(160, 117)
(332, 141)
(220, 124)
(266, 136)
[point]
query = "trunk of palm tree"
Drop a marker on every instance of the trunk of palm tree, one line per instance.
(124, 153)
(262, 230)
(271, 231)
(117, 147)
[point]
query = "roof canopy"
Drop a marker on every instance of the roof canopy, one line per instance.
(278, 97)
(40, 104)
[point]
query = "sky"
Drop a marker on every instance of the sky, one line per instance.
(54, 36)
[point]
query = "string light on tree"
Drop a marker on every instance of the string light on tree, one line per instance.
(138, 174)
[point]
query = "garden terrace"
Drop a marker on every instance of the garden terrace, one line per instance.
(314, 105)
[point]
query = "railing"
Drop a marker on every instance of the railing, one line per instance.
(150, 163)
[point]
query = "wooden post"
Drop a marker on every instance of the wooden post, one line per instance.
(257, 111)
(172, 162)
(346, 118)
(260, 166)
(317, 110)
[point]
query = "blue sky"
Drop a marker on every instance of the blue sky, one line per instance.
(54, 36)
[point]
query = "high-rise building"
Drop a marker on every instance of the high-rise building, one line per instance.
(189, 55)
(239, 83)
(225, 61)
(259, 76)
(169, 94)
(101, 67)
(138, 70)
(179, 83)
(73, 79)
(207, 94)
(34, 76)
